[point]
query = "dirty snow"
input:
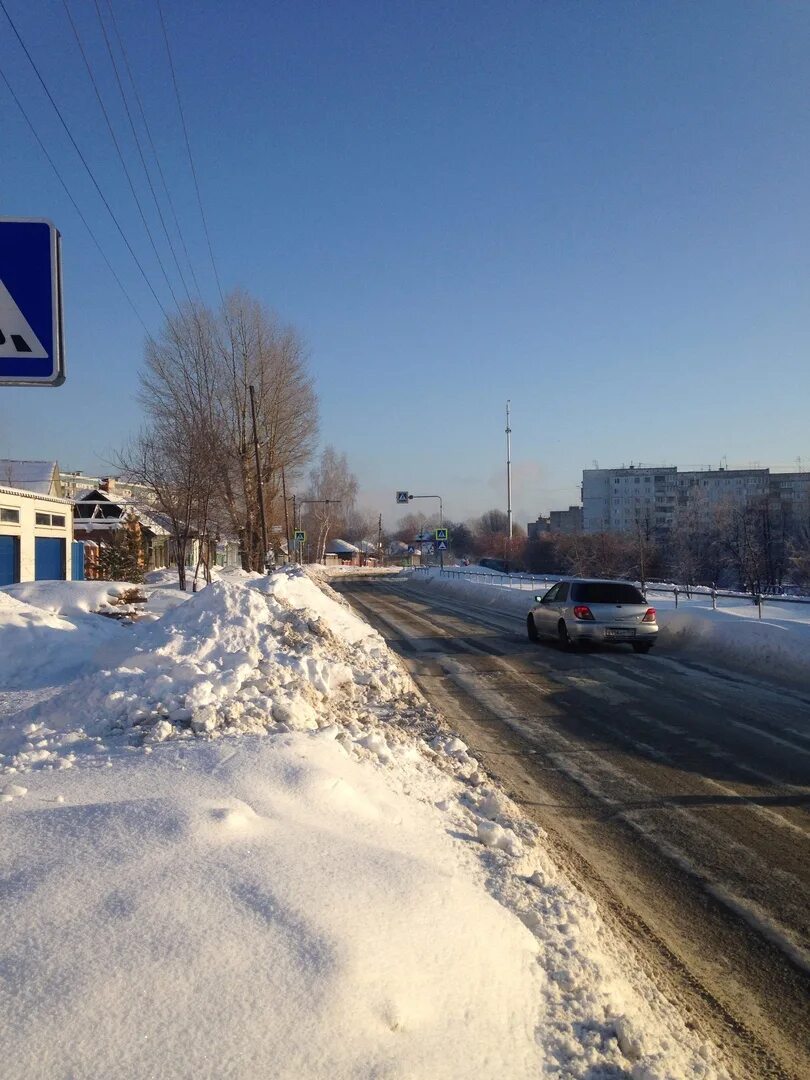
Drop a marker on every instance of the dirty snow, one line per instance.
(245, 846)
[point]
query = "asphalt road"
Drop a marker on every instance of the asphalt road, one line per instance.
(676, 794)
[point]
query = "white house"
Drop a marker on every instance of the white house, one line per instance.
(36, 534)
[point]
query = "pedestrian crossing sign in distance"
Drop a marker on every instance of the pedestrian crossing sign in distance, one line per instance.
(31, 332)
(441, 535)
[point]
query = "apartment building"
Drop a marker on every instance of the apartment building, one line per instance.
(619, 500)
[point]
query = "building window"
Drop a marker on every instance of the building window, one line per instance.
(9, 515)
(57, 520)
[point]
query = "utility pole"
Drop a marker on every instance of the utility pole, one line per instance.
(286, 512)
(258, 476)
(379, 540)
(508, 472)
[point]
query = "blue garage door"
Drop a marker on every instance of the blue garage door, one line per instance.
(9, 560)
(49, 558)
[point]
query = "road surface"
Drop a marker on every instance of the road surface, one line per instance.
(676, 794)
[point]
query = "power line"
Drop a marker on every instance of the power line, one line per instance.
(140, 150)
(188, 148)
(121, 157)
(76, 206)
(82, 158)
(142, 113)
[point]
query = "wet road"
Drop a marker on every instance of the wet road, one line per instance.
(677, 794)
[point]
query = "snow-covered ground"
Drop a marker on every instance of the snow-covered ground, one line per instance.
(776, 646)
(236, 842)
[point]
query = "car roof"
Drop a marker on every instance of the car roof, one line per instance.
(598, 581)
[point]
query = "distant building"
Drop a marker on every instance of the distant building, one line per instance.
(76, 482)
(535, 529)
(619, 500)
(567, 521)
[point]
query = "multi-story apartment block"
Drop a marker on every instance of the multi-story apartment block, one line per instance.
(616, 500)
(620, 500)
(566, 521)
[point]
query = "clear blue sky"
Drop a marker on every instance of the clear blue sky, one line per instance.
(598, 210)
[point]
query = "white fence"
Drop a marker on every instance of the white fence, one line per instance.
(681, 594)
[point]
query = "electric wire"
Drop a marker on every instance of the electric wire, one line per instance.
(76, 206)
(82, 158)
(136, 137)
(121, 158)
(188, 148)
(148, 129)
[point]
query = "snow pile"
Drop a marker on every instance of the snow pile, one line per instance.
(38, 648)
(233, 659)
(762, 646)
(272, 909)
(249, 848)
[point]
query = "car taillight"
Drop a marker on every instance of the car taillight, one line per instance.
(583, 613)
(650, 616)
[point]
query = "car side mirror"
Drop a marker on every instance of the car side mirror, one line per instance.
(539, 599)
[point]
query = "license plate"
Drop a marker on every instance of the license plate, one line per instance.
(619, 635)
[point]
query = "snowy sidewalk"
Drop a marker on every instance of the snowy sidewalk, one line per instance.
(247, 847)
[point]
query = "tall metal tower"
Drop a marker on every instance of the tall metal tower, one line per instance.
(508, 470)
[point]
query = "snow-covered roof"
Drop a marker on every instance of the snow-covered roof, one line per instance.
(367, 547)
(29, 475)
(341, 547)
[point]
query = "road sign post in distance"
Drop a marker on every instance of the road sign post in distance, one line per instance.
(300, 536)
(31, 331)
(441, 536)
(402, 496)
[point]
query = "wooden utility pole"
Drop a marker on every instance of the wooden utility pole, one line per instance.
(259, 484)
(286, 512)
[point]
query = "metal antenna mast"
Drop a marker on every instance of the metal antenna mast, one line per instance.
(508, 471)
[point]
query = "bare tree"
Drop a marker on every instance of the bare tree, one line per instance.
(195, 391)
(329, 498)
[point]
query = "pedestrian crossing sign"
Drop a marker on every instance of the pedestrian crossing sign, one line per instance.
(31, 332)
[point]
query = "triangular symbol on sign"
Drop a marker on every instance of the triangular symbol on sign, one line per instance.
(17, 339)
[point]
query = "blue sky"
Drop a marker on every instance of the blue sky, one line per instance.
(597, 210)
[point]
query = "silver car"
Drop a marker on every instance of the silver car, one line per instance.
(590, 610)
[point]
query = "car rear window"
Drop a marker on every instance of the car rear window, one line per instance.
(606, 592)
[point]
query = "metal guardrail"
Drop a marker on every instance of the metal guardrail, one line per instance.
(511, 581)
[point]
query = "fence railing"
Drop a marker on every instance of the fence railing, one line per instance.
(680, 593)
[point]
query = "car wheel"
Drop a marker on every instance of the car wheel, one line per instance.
(531, 629)
(564, 637)
(642, 646)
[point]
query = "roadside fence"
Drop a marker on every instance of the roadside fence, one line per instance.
(680, 593)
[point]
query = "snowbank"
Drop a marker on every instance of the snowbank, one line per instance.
(38, 648)
(732, 636)
(249, 848)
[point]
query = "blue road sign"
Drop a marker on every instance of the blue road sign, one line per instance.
(31, 333)
(441, 534)
(441, 546)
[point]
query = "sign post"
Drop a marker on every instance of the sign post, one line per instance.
(31, 325)
(442, 537)
(300, 538)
